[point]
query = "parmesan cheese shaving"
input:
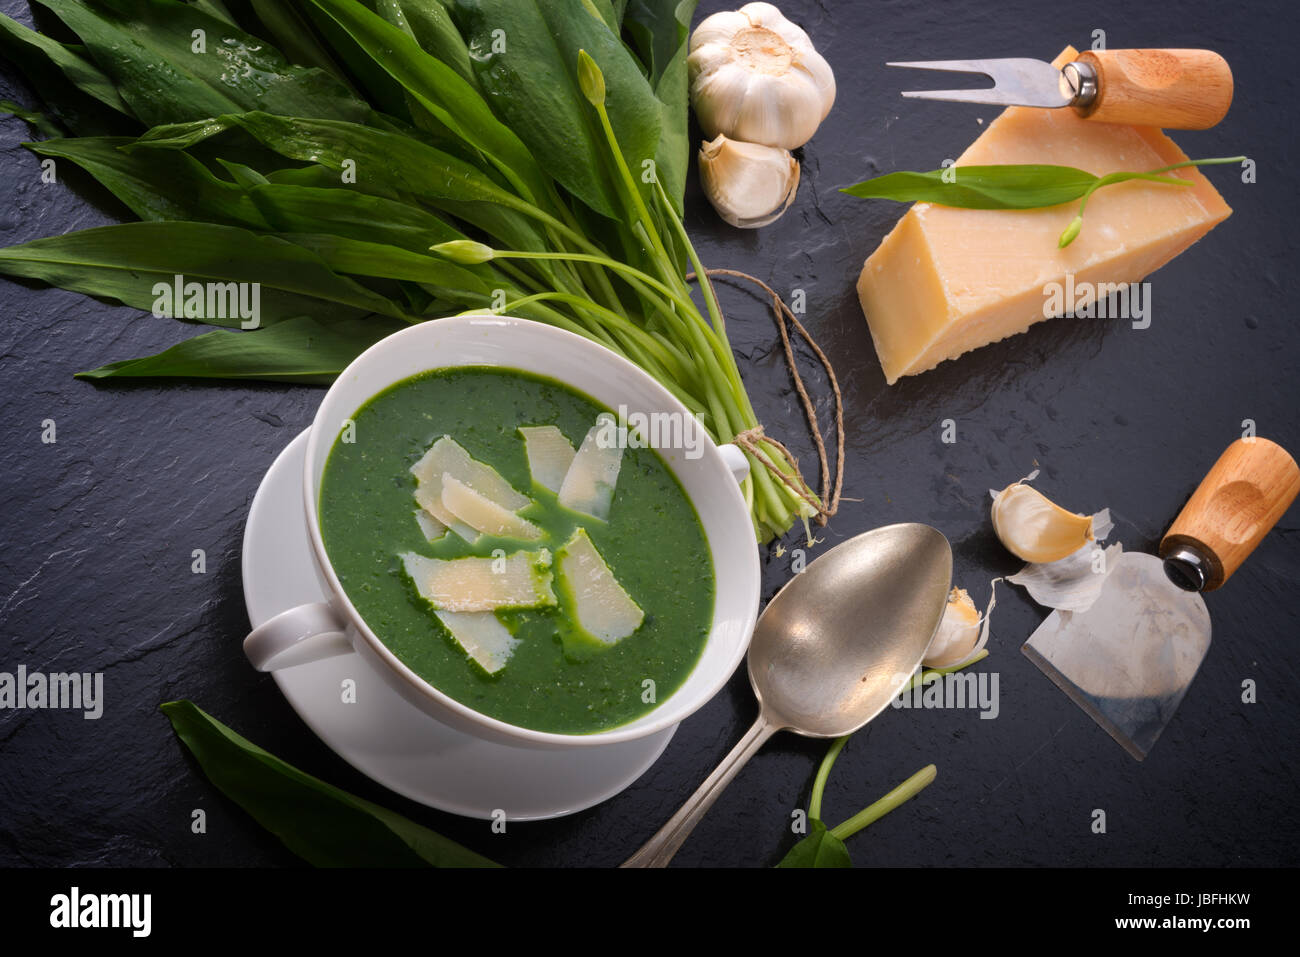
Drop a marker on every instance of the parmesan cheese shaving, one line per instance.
(482, 636)
(432, 528)
(599, 605)
(484, 515)
(521, 580)
(549, 455)
(447, 456)
(588, 485)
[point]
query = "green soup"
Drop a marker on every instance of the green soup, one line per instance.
(556, 680)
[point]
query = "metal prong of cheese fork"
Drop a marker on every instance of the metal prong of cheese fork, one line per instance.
(1017, 81)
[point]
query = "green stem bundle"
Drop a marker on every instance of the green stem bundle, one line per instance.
(694, 358)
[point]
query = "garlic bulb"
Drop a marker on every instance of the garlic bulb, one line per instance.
(756, 77)
(958, 634)
(1035, 528)
(749, 185)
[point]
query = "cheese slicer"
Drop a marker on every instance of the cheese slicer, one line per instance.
(1129, 658)
(1175, 89)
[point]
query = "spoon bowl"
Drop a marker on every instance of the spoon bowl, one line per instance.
(837, 643)
(830, 651)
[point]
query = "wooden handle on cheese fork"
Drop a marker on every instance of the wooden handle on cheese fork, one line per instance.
(1178, 89)
(1239, 501)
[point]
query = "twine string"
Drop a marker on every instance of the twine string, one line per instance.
(749, 439)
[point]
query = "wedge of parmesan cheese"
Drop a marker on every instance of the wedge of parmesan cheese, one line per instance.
(597, 602)
(588, 485)
(549, 455)
(482, 636)
(521, 580)
(447, 456)
(482, 514)
(949, 280)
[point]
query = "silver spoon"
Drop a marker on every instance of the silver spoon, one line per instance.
(830, 652)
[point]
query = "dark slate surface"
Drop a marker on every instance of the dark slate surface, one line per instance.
(98, 528)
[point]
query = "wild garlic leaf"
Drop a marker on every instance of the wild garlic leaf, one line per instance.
(1015, 186)
(384, 163)
(453, 102)
(658, 30)
(124, 263)
(300, 208)
(157, 185)
(33, 118)
(431, 27)
(820, 848)
(293, 35)
(533, 86)
(36, 53)
(382, 261)
(302, 350)
(981, 187)
(324, 825)
(149, 50)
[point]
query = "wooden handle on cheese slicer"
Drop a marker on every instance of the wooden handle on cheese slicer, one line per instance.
(1239, 501)
(1177, 89)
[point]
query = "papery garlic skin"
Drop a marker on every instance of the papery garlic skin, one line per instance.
(1035, 528)
(959, 632)
(749, 185)
(1072, 583)
(756, 77)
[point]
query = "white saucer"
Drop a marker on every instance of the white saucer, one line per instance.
(381, 734)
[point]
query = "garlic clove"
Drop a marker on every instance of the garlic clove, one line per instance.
(819, 74)
(720, 28)
(755, 76)
(1035, 528)
(777, 110)
(718, 97)
(749, 185)
(963, 632)
(958, 633)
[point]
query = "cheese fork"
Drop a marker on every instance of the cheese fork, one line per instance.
(1177, 89)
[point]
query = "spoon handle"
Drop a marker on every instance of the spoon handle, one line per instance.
(659, 850)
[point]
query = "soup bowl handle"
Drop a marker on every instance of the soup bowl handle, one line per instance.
(735, 460)
(298, 636)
